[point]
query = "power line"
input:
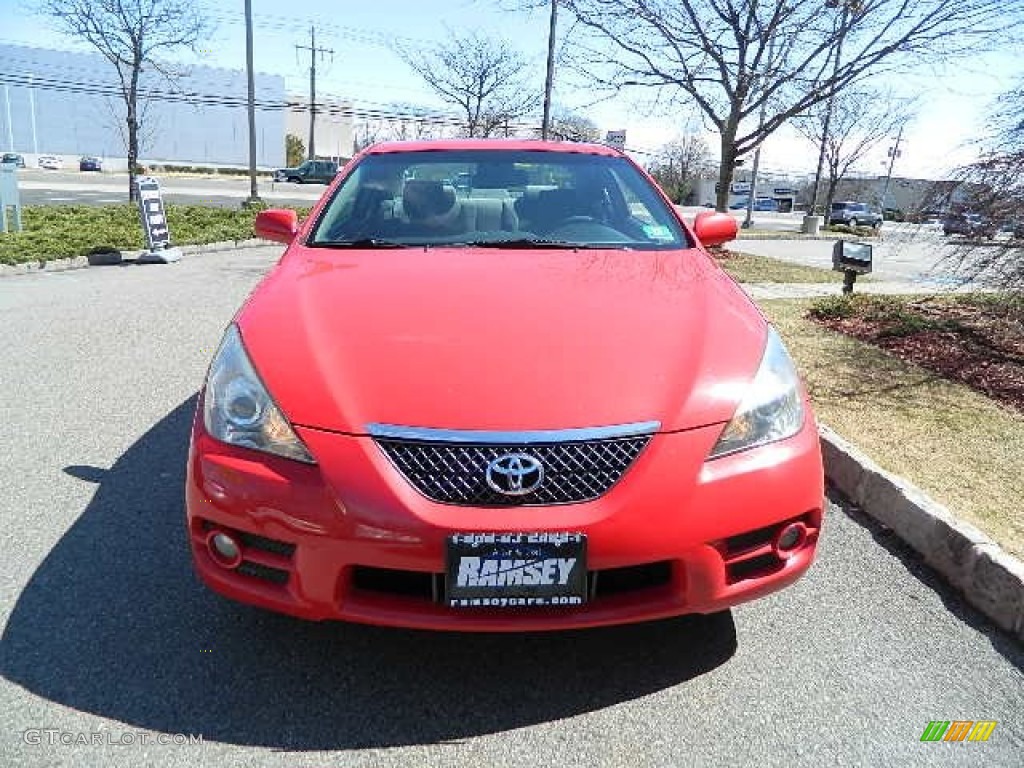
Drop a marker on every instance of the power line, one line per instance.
(195, 98)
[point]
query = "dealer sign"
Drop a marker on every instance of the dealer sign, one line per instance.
(154, 222)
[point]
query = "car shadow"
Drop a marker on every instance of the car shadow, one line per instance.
(114, 623)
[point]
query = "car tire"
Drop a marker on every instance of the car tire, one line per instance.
(853, 222)
(295, 179)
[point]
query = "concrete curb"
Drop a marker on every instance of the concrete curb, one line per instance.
(990, 579)
(115, 257)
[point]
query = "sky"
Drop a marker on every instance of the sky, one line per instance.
(364, 68)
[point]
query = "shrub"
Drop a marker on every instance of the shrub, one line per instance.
(832, 308)
(855, 231)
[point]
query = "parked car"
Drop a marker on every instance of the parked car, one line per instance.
(90, 164)
(14, 159)
(309, 172)
(766, 204)
(854, 214)
(50, 163)
(968, 224)
(738, 204)
(411, 422)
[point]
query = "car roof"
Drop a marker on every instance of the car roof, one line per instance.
(511, 145)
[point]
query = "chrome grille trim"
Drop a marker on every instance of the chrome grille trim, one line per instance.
(454, 470)
(428, 434)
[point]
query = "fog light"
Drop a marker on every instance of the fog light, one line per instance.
(790, 539)
(224, 549)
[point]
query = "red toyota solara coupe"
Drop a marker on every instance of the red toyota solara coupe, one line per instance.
(500, 385)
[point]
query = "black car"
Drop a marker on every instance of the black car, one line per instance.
(854, 214)
(12, 157)
(90, 164)
(310, 172)
(967, 224)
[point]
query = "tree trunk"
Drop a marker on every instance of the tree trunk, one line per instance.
(725, 170)
(133, 152)
(830, 192)
(133, 128)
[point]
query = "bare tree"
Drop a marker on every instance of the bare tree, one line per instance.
(713, 54)
(400, 122)
(567, 125)
(483, 77)
(131, 35)
(993, 189)
(410, 124)
(859, 120)
(366, 133)
(679, 164)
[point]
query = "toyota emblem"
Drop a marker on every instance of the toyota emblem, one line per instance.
(515, 474)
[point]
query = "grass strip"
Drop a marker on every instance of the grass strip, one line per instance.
(55, 232)
(960, 447)
(748, 268)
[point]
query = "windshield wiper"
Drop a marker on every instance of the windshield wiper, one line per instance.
(366, 242)
(523, 242)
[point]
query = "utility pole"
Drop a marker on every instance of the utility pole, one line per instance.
(550, 79)
(894, 152)
(32, 110)
(313, 51)
(254, 196)
(10, 125)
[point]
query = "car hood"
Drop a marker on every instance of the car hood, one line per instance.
(492, 339)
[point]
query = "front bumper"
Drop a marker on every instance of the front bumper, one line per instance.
(351, 539)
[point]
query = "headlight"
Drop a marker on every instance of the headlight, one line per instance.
(237, 409)
(772, 409)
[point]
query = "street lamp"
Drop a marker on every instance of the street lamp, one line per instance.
(549, 80)
(748, 220)
(254, 197)
(894, 152)
(847, 7)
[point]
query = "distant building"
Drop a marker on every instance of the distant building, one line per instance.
(61, 103)
(783, 189)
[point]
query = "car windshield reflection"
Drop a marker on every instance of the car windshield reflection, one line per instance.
(497, 199)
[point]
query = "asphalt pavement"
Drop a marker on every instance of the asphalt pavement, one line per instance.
(106, 631)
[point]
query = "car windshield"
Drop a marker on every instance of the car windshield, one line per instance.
(499, 199)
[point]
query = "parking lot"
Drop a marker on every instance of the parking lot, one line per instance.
(72, 187)
(106, 630)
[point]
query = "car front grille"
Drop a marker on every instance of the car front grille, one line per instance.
(456, 471)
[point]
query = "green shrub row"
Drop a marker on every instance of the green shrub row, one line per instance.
(198, 169)
(895, 315)
(54, 232)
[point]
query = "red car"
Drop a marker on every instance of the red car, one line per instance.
(527, 401)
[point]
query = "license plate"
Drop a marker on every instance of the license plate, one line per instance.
(516, 570)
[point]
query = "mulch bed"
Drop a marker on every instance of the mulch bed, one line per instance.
(961, 342)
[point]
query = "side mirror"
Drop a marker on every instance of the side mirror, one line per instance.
(714, 228)
(278, 224)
